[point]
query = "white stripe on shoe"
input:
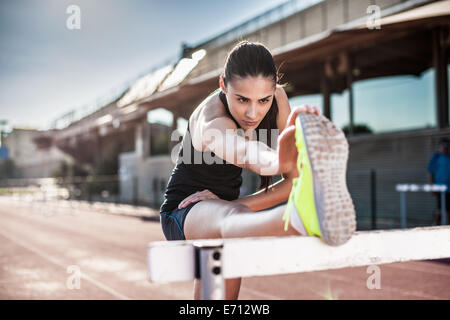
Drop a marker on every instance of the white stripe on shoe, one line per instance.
(295, 220)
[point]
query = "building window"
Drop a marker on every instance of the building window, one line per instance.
(338, 101)
(396, 103)
(385, 104)
(160, 129)
(340, 113)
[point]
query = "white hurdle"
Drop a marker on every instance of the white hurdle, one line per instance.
(212, 261)
(403, 188)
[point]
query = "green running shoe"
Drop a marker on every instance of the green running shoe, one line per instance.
(319, 196)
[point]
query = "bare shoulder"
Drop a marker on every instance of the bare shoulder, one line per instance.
(283, 107)
(209, 108)
(210, 113)
(280, 93)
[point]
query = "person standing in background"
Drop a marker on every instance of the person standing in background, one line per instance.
(439, 173)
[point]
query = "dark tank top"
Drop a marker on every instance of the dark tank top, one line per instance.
(215, 174)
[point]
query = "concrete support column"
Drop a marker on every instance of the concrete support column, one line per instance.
(172, 129)
(441, 76)
(174, 123)
(142, 139)
(325, 88)
(350, 94)
(97, 154)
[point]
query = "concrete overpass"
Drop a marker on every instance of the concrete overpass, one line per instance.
(322, 47)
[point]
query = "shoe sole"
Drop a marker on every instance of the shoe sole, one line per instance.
(327, 149)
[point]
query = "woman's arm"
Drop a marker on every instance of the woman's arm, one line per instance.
(276, 193)
(283, 159)
(220, 136)
(279, 191)
(218, 133)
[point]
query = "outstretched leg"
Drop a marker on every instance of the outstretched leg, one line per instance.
(210, 219)
(319, 203)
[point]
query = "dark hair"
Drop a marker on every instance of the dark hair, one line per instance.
(254, 59)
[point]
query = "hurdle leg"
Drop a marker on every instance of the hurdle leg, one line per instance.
(209, 260)
(403, 209)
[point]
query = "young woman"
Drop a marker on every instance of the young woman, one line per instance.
(201, 200)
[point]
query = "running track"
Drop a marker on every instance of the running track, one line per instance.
(37, 246)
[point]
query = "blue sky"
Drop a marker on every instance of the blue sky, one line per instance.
(47, 69)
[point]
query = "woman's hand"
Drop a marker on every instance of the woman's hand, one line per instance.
(198, 196)
(303, 108)
(287, 151)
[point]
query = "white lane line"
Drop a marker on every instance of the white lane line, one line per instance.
(55, 261)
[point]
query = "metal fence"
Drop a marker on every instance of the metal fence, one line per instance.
(378, 204)
(98, 189)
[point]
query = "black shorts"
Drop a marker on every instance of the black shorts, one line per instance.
(172, 222)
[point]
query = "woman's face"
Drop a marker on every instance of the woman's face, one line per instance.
(249, 99)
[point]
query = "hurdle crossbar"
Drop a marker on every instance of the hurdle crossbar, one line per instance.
(212, 261)
(403, 188)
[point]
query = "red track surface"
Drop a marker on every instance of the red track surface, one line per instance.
(37, 246)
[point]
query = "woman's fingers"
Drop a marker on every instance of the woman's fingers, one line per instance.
(195, 197)
(293, 115)
(314, 110)
(311, 109)
(303, 108)
(185, 202)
